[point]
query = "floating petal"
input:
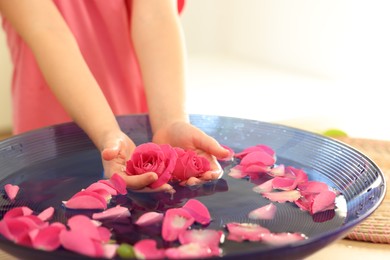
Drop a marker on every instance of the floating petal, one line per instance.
(282, 196)
(11, 191)
(265, 212)
(47, 214)
(116, 212)
(176, 221)
(198, 211)
(282, 238)
(147, 249)
(149, 218)
(245, 231)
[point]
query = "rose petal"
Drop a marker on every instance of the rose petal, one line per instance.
(13, 229)
(18, 212)
(256, 148)
(277, 170)
(176, 220)
(282, 238)
(282, 196)
(102, 185)
(245, 231)
(86, 200)
(80, 242)
(208, 237)
(116, 212)
(282, 183)
(84, 225)
(147, 249)
(47, 214)
(11, 191)
(237, 172)
(257, 158)
(312, 187)
(198, 211)
(266, 212)
(48, 238)
(266, 186)
(116, 182)
(190, 251)
(323, 201)
(149, 218)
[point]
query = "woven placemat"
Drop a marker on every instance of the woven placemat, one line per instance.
(376, 228)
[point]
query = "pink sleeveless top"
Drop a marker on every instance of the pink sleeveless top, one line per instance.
(102, 29)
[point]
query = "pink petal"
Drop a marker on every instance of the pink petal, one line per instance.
(47, 238)
(116, 212)
(190, 251)
(11, 191)
(86, 200)
(210, 238)
(265, 212)
(18, 212)
(13, 229)
(257, 158)
(176, 220)
(84, 225)
(277, 170)
(147, 249)
(47, 214)
(237, 172)
(264, 187)
(323, 201)
(116, 182)
(282, 183)
(282, 196)
(110, 250)
(260, 147)
(198, 211)
(98, 186)
(312, 187)
(245, 231)
(149, 218)
(79, 242)
(282, 238)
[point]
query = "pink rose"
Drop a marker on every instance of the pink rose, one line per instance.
(189, 164)
(151, 157)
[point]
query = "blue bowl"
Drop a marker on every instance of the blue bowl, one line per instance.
(52, 164)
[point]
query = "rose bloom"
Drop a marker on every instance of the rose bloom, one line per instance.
(189, 164)
(151, 157)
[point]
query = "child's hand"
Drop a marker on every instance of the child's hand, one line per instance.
(187, 136)
(117, 150)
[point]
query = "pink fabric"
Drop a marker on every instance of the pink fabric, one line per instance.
(102, 29)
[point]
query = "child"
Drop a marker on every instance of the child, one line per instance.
(88, 60)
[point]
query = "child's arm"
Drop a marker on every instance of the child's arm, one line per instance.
(159, 44)
(42, 27)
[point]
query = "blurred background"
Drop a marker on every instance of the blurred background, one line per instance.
(314, 65)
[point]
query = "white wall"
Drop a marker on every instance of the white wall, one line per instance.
(315, 64)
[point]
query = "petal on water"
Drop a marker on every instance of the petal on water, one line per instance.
(149, 218)
(176, 221)
(11, 191)
(266, 212)
(198, 211)
(282, 238)
(245, 231)
(116, 212)
(47, 214)
(282, 196)
(147, 249)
